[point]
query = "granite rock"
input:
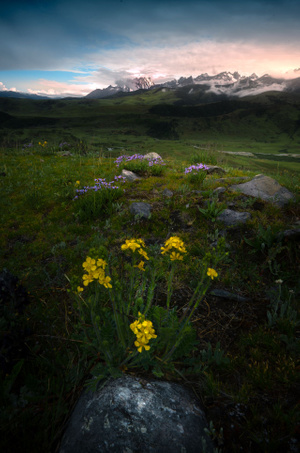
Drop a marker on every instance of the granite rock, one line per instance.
(141, 210)
(131, 415)
(231, 218)
(266, 188)
(129, 175)
(214, 169)
(151, 156)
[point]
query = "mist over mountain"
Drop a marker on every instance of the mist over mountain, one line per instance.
(124, 86)
(224, 84)
(18, 94)
(212, 87)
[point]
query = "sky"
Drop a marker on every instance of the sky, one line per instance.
(64, 47)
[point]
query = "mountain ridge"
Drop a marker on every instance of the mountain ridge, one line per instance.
(225, 84)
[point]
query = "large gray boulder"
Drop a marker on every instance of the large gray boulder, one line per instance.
(131, 415)
(266, 188)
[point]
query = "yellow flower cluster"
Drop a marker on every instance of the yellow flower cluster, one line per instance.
(176, 243)
(136, 245)
(144, 331)
(212, 273)
(95, 271)
(43, 144)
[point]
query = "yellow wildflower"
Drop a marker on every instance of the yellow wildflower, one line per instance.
(98, 273)
(89, 264)
(105, 281)
(141, 242)
(87, 278)
(144, 331)
(141, 345)
(143, 253)
(212, 273)
(79, 289)
(131, 244)
(173, 242)
(176, 256)
(101, 263)
(141, 265)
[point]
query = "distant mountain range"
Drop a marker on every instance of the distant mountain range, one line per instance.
(223, 85)
(18, 94)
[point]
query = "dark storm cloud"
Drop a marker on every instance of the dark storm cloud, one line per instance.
(50, 34)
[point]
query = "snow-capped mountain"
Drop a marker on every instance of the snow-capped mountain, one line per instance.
(125, 86)
(225, 83)
(233, 84)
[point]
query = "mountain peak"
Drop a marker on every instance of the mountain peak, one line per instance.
(225, 83)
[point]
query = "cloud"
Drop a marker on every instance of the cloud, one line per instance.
(111, 40)
(162, 64)
(192, 59)
(3, 88)
(54, 88)
(62, 34)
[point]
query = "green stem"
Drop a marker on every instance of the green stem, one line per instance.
(96, 329)
(150, 292)
(131, 285)
(170, 281)
(118, 321)
(200, 283)
(185, 322)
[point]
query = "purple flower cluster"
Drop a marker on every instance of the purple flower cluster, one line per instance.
(125, 158)
(64, 144)
(195, 168)
(101, 184)
(27, 145)
(157, 161)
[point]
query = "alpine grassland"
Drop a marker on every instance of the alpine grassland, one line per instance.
(89, 290)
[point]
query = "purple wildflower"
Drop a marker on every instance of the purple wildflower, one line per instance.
(195, 168)
(100, 184)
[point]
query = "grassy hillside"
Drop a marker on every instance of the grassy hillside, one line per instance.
(239, 354)
(267, 123)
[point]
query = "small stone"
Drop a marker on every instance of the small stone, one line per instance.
(151, 156)
(168, 193)
(231, 218)
(227, 295)
(292, 235)
(141, 210)
(214, 169)
(64, 154)
(219, 190)
(129, 175)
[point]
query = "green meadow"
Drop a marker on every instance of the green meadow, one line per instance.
(240, 355)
